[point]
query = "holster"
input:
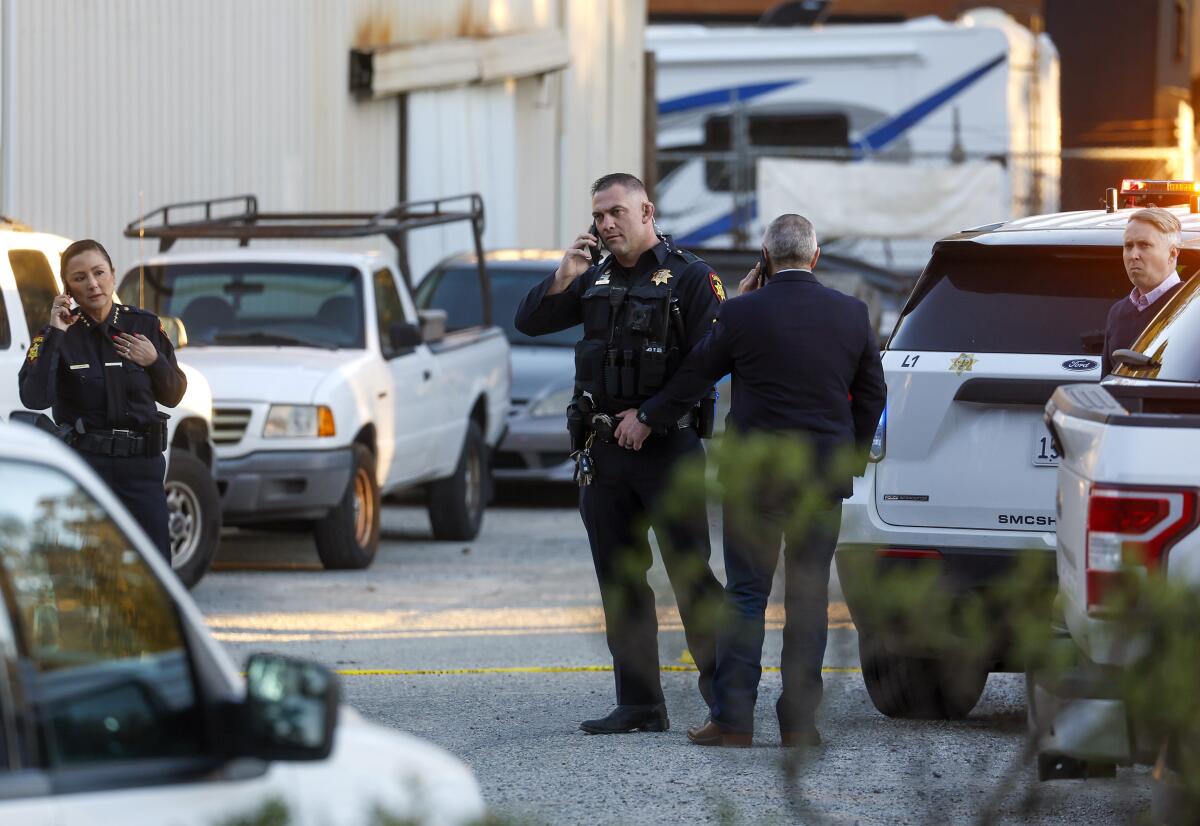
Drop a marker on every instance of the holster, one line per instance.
(157, 432)
(44, 423)
(579, 416)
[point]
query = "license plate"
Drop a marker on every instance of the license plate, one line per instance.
(1044, 454)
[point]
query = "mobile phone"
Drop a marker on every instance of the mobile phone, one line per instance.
(595, 251)
(763, 274)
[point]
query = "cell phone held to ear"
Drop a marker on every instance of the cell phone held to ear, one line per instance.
(595, 251)
(762, 270)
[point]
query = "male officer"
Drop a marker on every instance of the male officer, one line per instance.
(1151, 251)
(642, 309)
(805, 364)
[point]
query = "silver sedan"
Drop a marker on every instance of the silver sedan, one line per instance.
(536, 447)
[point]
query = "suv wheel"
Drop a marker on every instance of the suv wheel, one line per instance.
(456, 504)
(348, 536)
(918, 688)
(193, 515)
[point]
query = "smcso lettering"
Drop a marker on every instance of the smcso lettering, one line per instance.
(1025, 519)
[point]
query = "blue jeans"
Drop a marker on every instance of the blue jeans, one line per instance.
(751, 554)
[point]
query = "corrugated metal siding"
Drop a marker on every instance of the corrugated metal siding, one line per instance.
(123, 105)
(602, 102)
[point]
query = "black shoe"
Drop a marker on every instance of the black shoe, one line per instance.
(629, 718)
(802, 737)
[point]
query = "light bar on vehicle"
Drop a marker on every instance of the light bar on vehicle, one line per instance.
(1137, 192)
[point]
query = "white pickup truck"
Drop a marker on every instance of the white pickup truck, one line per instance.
(1128, 504)
(329, 388)
(29, 281)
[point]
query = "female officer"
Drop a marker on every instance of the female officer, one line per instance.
(101, 367)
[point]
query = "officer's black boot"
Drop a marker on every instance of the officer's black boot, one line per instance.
(629, 718)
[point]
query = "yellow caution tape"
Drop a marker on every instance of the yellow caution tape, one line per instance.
(528, 669)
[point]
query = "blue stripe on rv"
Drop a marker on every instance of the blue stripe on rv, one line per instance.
(717, 97)
(721, 226)
(888, 131)
(874, 140)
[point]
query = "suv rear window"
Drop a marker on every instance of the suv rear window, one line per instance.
(986, 299)
(1172, 339)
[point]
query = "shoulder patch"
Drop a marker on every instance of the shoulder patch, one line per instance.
(718, 288)
(35, 347)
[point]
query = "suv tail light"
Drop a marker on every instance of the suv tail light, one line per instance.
(1132, 528)
(879, 441)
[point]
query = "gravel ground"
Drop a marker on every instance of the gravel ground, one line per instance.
(523, 596)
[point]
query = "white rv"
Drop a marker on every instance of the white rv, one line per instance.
(858, 126)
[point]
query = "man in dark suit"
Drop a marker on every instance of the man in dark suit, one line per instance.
(805, 367)
(1151, 252)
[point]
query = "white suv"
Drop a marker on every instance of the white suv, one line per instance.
(964, 470)
(118, 706)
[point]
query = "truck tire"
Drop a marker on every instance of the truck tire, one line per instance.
(348, 536)
(193, 515)
(456, 503)
(917, 688)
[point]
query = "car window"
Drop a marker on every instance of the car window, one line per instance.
(1172, 339)
(36, 286)
(104, 665)
(232, 304)
(456, 290)
(1012, 300)
(388, 309)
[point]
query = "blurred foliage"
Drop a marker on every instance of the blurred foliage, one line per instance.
(273, 812)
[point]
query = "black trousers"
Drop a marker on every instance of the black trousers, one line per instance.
(631, 492)
(751, 555)
(138, 483)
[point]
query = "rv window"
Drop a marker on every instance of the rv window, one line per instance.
(767, 132)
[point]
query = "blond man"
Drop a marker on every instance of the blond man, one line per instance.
(1151, 253)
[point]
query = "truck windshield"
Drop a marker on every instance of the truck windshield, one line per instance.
(1171, 340)
(456, 290)
(239, 304)
(984, 299)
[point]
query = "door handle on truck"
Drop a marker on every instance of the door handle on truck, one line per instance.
(428, 374)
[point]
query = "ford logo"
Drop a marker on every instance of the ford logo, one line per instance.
(1080, 364)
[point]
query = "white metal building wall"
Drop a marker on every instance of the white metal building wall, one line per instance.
(127, 104)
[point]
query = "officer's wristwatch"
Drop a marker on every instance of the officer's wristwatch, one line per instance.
(641, 417)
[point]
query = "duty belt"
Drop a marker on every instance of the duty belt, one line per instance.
(115, 443)
(603, 425)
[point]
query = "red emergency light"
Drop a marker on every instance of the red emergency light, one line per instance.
(1139, 192)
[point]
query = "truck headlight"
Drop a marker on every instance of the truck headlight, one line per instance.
(552, 404)
(293, 420)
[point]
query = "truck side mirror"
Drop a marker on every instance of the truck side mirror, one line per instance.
(176, 332)
(404, 336)
(290, 709)
(433, 325)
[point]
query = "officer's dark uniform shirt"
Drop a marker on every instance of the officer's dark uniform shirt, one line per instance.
(78, 373)
(643, 317)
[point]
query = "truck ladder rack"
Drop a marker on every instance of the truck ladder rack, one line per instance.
(238, 218)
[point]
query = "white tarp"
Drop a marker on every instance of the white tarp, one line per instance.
(874, 199)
